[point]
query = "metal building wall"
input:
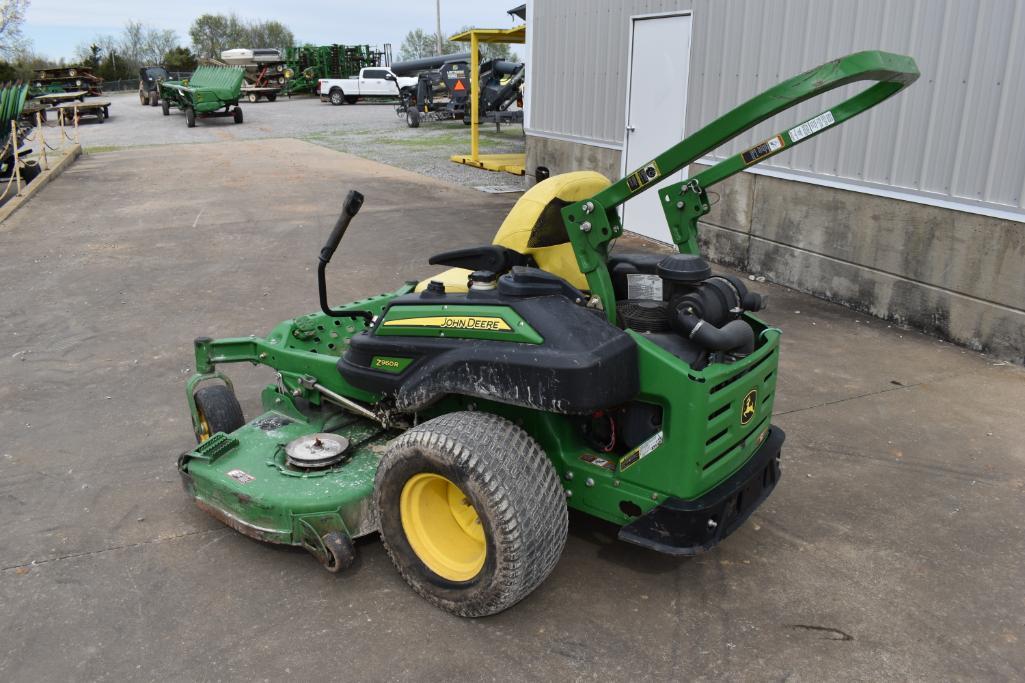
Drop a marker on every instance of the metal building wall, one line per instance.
(955, 139)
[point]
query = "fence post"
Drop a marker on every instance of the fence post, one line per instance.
(42, 140)
(77, 141)
(17, 165)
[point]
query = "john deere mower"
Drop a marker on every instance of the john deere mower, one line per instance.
(461, 416)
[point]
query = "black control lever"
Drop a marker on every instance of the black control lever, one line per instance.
(353, 202)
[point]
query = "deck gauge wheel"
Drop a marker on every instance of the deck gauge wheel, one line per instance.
(218, 411)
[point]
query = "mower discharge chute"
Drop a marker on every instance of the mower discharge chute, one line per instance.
(460, 416)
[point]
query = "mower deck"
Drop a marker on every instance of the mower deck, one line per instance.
(244, 480)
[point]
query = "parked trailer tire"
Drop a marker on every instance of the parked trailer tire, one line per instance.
(412, 118)
(190, 117)
(272, 97)
(237, 115)
(253, 97)
(336, 96)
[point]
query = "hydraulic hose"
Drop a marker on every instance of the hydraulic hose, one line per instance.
(735, 336)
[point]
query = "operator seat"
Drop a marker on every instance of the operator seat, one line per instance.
(534, 228)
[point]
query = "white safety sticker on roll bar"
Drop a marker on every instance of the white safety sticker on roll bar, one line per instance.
(810, 127)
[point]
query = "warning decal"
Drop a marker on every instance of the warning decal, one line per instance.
(644, 449)
(823, 120)
(241, 477)
(459, 86)
(766, 148)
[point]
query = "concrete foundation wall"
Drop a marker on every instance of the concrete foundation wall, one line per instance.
(958, 275)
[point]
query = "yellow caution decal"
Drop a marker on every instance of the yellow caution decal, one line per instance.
(454, 322)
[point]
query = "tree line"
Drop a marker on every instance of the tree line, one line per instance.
(419, 43)
(117, 57)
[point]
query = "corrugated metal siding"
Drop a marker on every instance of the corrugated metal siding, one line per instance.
(958, 134)
(579, 64)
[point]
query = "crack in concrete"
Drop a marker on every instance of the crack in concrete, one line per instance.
(887, 390)
(90, 553)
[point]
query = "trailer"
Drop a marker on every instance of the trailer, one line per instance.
(98, 109)
(213, 91)
(266, 73)
(66, 79)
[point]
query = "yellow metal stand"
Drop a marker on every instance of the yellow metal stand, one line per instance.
(507, 163)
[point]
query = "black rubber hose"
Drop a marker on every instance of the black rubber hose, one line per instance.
(735, 336)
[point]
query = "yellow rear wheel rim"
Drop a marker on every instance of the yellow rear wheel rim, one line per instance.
(442, 527)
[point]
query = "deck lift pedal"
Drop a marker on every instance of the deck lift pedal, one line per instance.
(461, 416)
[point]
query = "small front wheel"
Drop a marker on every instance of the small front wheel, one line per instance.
(237, 115)
(165, 107)
(412, 118)
(154, 99)
(218, 411)
(190, 117)
(340, 552)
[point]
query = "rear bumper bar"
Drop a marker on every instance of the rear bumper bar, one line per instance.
(689, 527)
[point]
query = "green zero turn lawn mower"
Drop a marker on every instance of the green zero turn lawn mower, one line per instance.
(461, 416)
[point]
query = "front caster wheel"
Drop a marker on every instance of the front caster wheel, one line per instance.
(237, 115)
(340, 552)
(190, 117)
(218, 411)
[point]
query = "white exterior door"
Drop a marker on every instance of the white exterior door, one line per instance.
(655, 110)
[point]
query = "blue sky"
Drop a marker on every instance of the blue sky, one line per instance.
(55, 27)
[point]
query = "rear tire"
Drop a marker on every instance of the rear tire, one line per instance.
(219, 411)
(190, 117)
(142, 98)
(516, 512)
(272, 97)
(351, 99)
(237, 115)
(154, 99)
(336, 97)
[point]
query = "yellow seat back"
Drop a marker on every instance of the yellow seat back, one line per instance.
(534, 227)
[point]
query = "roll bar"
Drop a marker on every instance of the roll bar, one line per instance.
(592, 223)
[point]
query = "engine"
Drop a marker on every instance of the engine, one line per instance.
(682, 306)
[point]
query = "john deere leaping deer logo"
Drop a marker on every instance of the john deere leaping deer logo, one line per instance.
(747, 408)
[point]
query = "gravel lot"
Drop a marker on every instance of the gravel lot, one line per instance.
(369, 130)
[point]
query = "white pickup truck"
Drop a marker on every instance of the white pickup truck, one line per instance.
(371, 82)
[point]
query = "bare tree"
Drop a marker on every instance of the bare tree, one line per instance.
(133, 41)
(12, 17)
(157, 43)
